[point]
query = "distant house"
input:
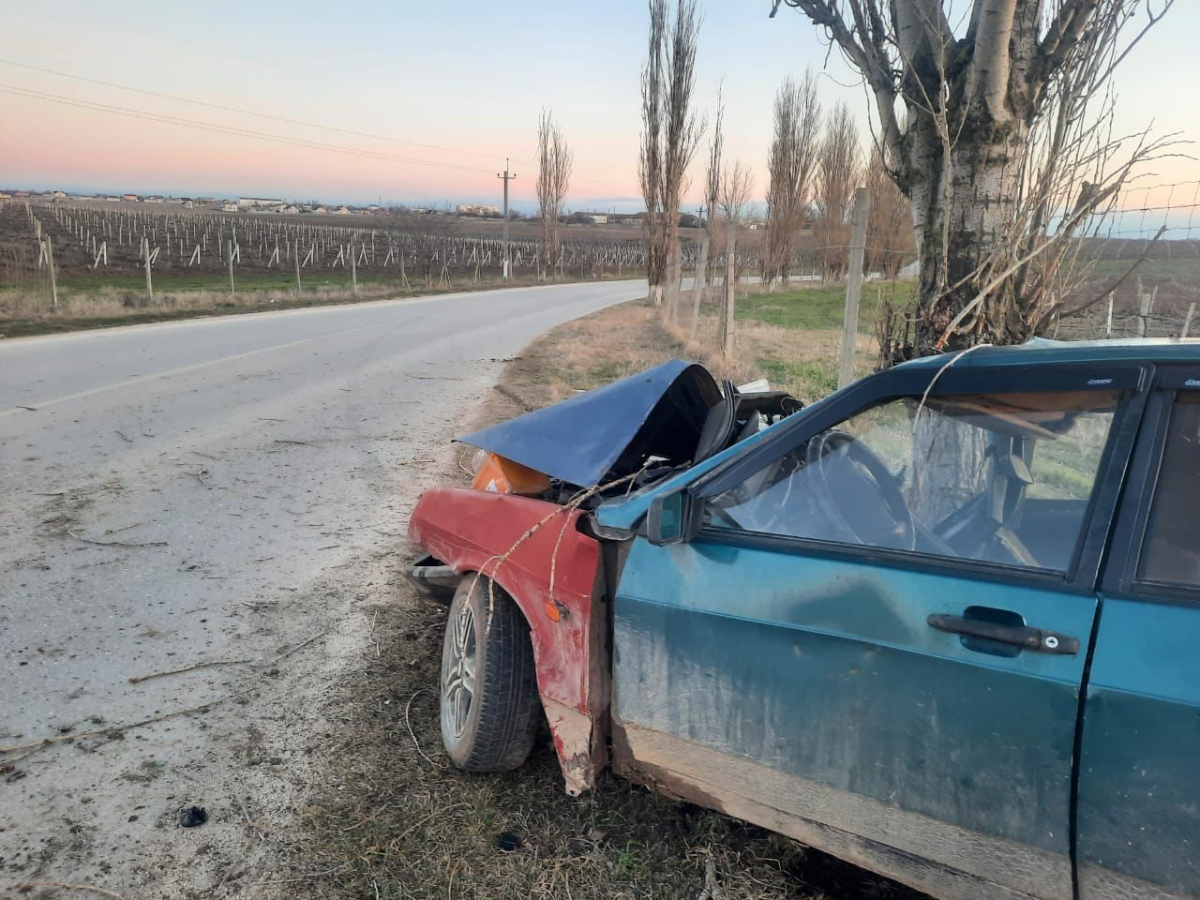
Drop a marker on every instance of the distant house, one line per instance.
(111, 199)
(320, 211)
(153, 198)
(187, 203)
(4, 196)
(131, 198)
(342, 211)
(258, 202)
(206, 201)
(229, 206)
(291, 210)
(478, 209)
(59, 195)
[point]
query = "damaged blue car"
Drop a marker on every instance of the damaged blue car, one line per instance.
(942, 623)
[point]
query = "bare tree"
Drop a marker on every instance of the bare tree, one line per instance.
(712, 190)
(736, 187)
(997, 126)
(555, 161)
(890, 242)
(837, 176)
(671, 131)
(791, 163)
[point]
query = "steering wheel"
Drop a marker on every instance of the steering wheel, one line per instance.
(845, 471)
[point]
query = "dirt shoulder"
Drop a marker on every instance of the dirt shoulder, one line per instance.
(394, 819)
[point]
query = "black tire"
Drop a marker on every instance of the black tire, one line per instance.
(491, 726)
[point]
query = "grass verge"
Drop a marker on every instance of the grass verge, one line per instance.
(108, 307)
(395, 820)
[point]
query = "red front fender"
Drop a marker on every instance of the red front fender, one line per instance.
(519, 542)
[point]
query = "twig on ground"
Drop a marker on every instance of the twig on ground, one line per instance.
(34, 746)
(246, 815)
(302, 877)
(296, 443)
(30, 408)
(712, 888)
(204, 665)
(269, 419)
(80, 537)
(64, 886)
(505, 391)
(432, 377)
(205, 455)
(119, 530)
(413, 734)
(123, 436)
(299, 646)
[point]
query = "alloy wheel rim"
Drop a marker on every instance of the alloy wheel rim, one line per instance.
(458, 673)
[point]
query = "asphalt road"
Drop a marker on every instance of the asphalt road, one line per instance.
(201, 492)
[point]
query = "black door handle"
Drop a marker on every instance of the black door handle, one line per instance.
(1017, 635)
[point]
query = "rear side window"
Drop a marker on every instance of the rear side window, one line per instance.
(1171, 552)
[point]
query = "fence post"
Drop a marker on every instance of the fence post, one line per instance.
(296, 257)
(146, 267)
(1145, 301)
(53, 275)
(353, 270)
(231, 286)
(1187, 322)
(854, 280)
(1108, 323)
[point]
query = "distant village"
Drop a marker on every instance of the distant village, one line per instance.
(283, 207)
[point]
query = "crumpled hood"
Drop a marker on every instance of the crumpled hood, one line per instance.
(609, 432)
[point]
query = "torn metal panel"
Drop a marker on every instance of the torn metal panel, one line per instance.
(611, 431)
(469, 531)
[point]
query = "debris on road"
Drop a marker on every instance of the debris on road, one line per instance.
(192, 816)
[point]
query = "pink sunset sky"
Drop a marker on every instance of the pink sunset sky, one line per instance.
(457, 87)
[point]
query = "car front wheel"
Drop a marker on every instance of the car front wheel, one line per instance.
(490, 708)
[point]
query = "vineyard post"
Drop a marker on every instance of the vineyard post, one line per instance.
(353, 270)
(1187, 322)
(146, 263)
(296, 257)
(53, 277)
(231, 288)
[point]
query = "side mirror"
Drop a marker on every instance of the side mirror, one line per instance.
(670, 519)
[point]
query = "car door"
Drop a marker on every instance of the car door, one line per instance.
(903, 697)
(1139, 783)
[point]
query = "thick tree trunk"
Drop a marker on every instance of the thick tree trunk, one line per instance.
(960, 218)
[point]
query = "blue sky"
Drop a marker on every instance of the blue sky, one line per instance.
(469, 78)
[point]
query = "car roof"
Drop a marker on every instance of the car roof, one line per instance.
(1043, 351)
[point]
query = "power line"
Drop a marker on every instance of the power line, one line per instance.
(225, 129)
(245, 112)
(236, 130)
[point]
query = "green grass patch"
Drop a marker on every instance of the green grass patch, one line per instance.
(820, 308)
(803, 378)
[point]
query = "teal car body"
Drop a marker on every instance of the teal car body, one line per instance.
(982, 681)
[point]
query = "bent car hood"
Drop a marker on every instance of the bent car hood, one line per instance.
(611, 431)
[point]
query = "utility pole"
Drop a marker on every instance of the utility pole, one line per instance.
(507, 178)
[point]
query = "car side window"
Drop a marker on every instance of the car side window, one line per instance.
(1171, 548)
(1000, 478)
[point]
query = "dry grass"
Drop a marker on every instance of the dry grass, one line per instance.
(24, 313)
(391, 824)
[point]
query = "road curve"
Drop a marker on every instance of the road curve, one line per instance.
(173, 495)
